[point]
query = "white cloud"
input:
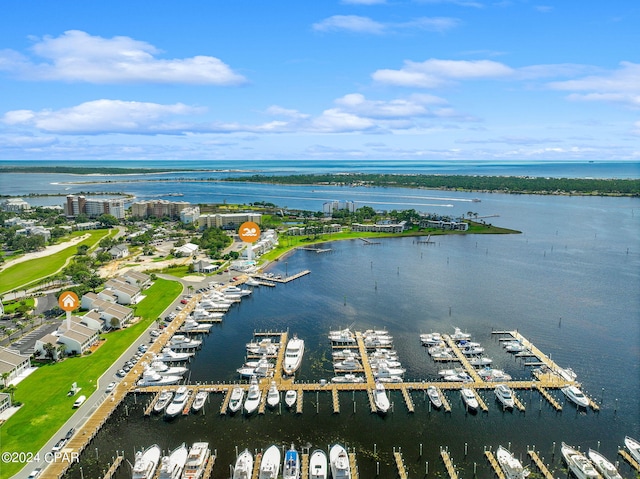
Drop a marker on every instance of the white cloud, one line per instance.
(286, 112)
(415, 106)
(618, 86)
(433, 73)
(78, 56)
(359, 24)
(351, 23)
(103, 116)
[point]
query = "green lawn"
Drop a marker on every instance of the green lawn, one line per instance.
(10, 306)
(46, 406)
(33, 270)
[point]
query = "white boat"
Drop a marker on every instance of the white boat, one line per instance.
(209, 305)
(290, 397)
(318, 465)
(146, 462)
(514, 346)
(480, 361)
(291, 464)
(472, 350)
(437, 349)
(178, 402)
(578, 463)
(450, 372)
(381, 399)
(567, 374)
(190, 325)
(273, 395)
(199, 400)
(576, 396)
(504, 395)
(339, 462)
(169, 355)
(164, 369)
(511, 466)
(431, 339)
(264, 346)
(385, 371)
(348, 364)
(253, 397)
(180, 341)
(345, 354)
(347, 378)
(458, 335)
(171, 466)
(377, 342)
(603, 465)
(490, 374)
(434, 396)
(263, 368)
(237, 290)
(469, 398)
(244, 466)
(164, 399)
(252, 282)
(235, 401)
(445, 353)
(633, 446)
(389, 363)
(462, 376)
(343, 336)
(293, 355)
(152, 378)
(270, 463)
(388, 354)
(196, 460)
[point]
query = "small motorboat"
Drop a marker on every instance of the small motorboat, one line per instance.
(505, 396)
(578, 463)
(290, 397)
(244, 465)
(469, 399)
(603, 465)
(199, 400)
(235, 401)
(381, 399)
(480, 361)
(318, 465)
(339, 462)
(576, 396)
(270, 463)
(273, 395)
(434, 396)
(458, 335)
(291, 465)
(430, 339)
(164, 399)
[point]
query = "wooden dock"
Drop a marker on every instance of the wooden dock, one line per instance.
(256, 466)
(627, 457)
(114, 467)
(446, 458)
(304, 464)
(299, 401)
(336, 401)
(354, 466)
(539, 464)
(549, 398)
(494, 464)
(189, 403)
(209, 469)
(149, 409)
(402, 471)
(286, 279)
(225, 402)
(407, 399)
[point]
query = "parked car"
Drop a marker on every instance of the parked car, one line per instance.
(70, 433)
(59, 445)
(35, 473)
(184, 301)
(122, 373)
(111, 386)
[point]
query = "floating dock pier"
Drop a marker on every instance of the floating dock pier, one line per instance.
(539, 464)
(494, 464)
(446, 458)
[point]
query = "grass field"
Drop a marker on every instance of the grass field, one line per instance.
(22, 274)
(10, 306)
(46, 406)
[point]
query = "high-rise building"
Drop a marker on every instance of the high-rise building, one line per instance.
(94, 207)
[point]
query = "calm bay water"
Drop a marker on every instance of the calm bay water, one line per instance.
(569, 282)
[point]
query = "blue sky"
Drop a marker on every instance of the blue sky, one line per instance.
(346, 79)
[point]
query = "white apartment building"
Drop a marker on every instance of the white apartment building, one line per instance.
(227, 220)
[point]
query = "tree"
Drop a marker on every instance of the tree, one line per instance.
(49, 351)
(108, 220)
(5, 376)
(62, 349)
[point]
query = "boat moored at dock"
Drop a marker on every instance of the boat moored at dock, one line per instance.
(270, 463)
(511, 466)
(576, 396)
(196, 460)
(293, 355)
(339, 462)
(178, 402)
(318, 465)
(171, 466)
(634, 447)
(146, 462)
(505, 396)
(291, 465)
(244, 465)
(235, 400)
(578, 463)
(469, 399)
(603, 465)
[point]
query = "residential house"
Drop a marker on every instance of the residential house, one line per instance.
(203, 266)
(119, 251)
(12, 363)
(125, 292)
(137, 278)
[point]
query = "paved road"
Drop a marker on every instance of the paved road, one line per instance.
(92, 402)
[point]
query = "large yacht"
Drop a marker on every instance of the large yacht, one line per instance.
(235, 401)
(578, 463)
(253, 396)
(381, 399)
(505, 396)
(603, 465)
(576, 396)
(171, 466)
(169, 355)
(511, 466)
(469, 398)
(165, 370)
(164, 399)
(178, 402)
(146, 462)
(197, 460)
(152, 378)
(293, 355)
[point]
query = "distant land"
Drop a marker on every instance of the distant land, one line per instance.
(91, 170)
(491, 184)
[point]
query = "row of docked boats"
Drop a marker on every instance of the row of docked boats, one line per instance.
(181, 463)
(237, 399)
(271, 462)
(267, 349)
(593, 464)
(174, 403)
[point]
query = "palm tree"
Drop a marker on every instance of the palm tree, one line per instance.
(4, 376)
(49, 351)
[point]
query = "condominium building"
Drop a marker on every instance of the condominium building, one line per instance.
(94, 207)
(227, 220)
(158, 208)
